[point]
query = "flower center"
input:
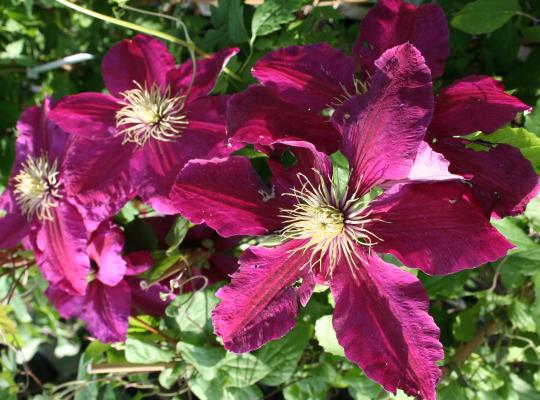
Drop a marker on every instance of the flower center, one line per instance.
(37, 189)
(150, 113)
(332, 224)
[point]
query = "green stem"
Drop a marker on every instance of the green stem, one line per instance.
(130, 25)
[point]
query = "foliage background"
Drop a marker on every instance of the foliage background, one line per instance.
(489, 317)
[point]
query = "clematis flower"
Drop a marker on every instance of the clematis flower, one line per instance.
(153, 121)
(333, 233)
(299, 82)
(113, 292)
(39, 211)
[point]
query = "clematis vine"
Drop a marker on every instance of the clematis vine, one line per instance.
(39, 211)
(332, 233)
(114, 293)
(300, 84)
(156, 118)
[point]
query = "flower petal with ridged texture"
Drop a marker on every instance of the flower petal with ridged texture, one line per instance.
(67, 304)
(393, 22)
(430, 166)
(384, 128)
(106, 311)
(436, 227)
(90, 115)
(14, 227)
(37, 136)
(314, 76)
(258, 116)
(259, 304)
(97, 175)
(381, 319)
(474, 103)
(154, 168)
(142, 59)
(105, 249)
(502, 179)
(148, 300)
(61, 249)
(206, 74)
(227, 195)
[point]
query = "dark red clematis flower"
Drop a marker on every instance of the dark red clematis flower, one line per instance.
(114, 293)
(332, 233)
(39, 211)
(299, 83)
(153, 121)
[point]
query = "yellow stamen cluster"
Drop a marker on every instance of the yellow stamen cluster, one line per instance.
(37, 189)
(150, 113)
(331, 223)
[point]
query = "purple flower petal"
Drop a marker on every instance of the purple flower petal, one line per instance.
(61, 249)
(97, 174)
(259, 116)
(155, 167)
(474, 103)
(14, 227)
(386, 126)
(107, 310)
(430, 166)
(147, 301)
(138, 262)
(90, 115)
(314, 76)
(502, 179)
(227, 195)
(394, 22)
(436, 227)
(381, 319)
(67, 304)
(104, 309)
(206, 74)
(259, 304)
(105, 248)
(142, 59)
(38, 136)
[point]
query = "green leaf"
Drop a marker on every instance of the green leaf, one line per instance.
(510, 229)
(245, 393)
(360, 387)
(206, 390)
(191, 311)
(236, 27)
(89, 391)
(527, 142)
(165, 267)
(243, 369)
(206, 360)
(308, 388)
(282, 355)
(325, 334)
(532, 33)
(464, 326)
(176, 235)
(484, 16)
(521, 317)
(138, 351)
(535, 308)
(532, 120)
(168, 377)
(269, 16)
(532, 212)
